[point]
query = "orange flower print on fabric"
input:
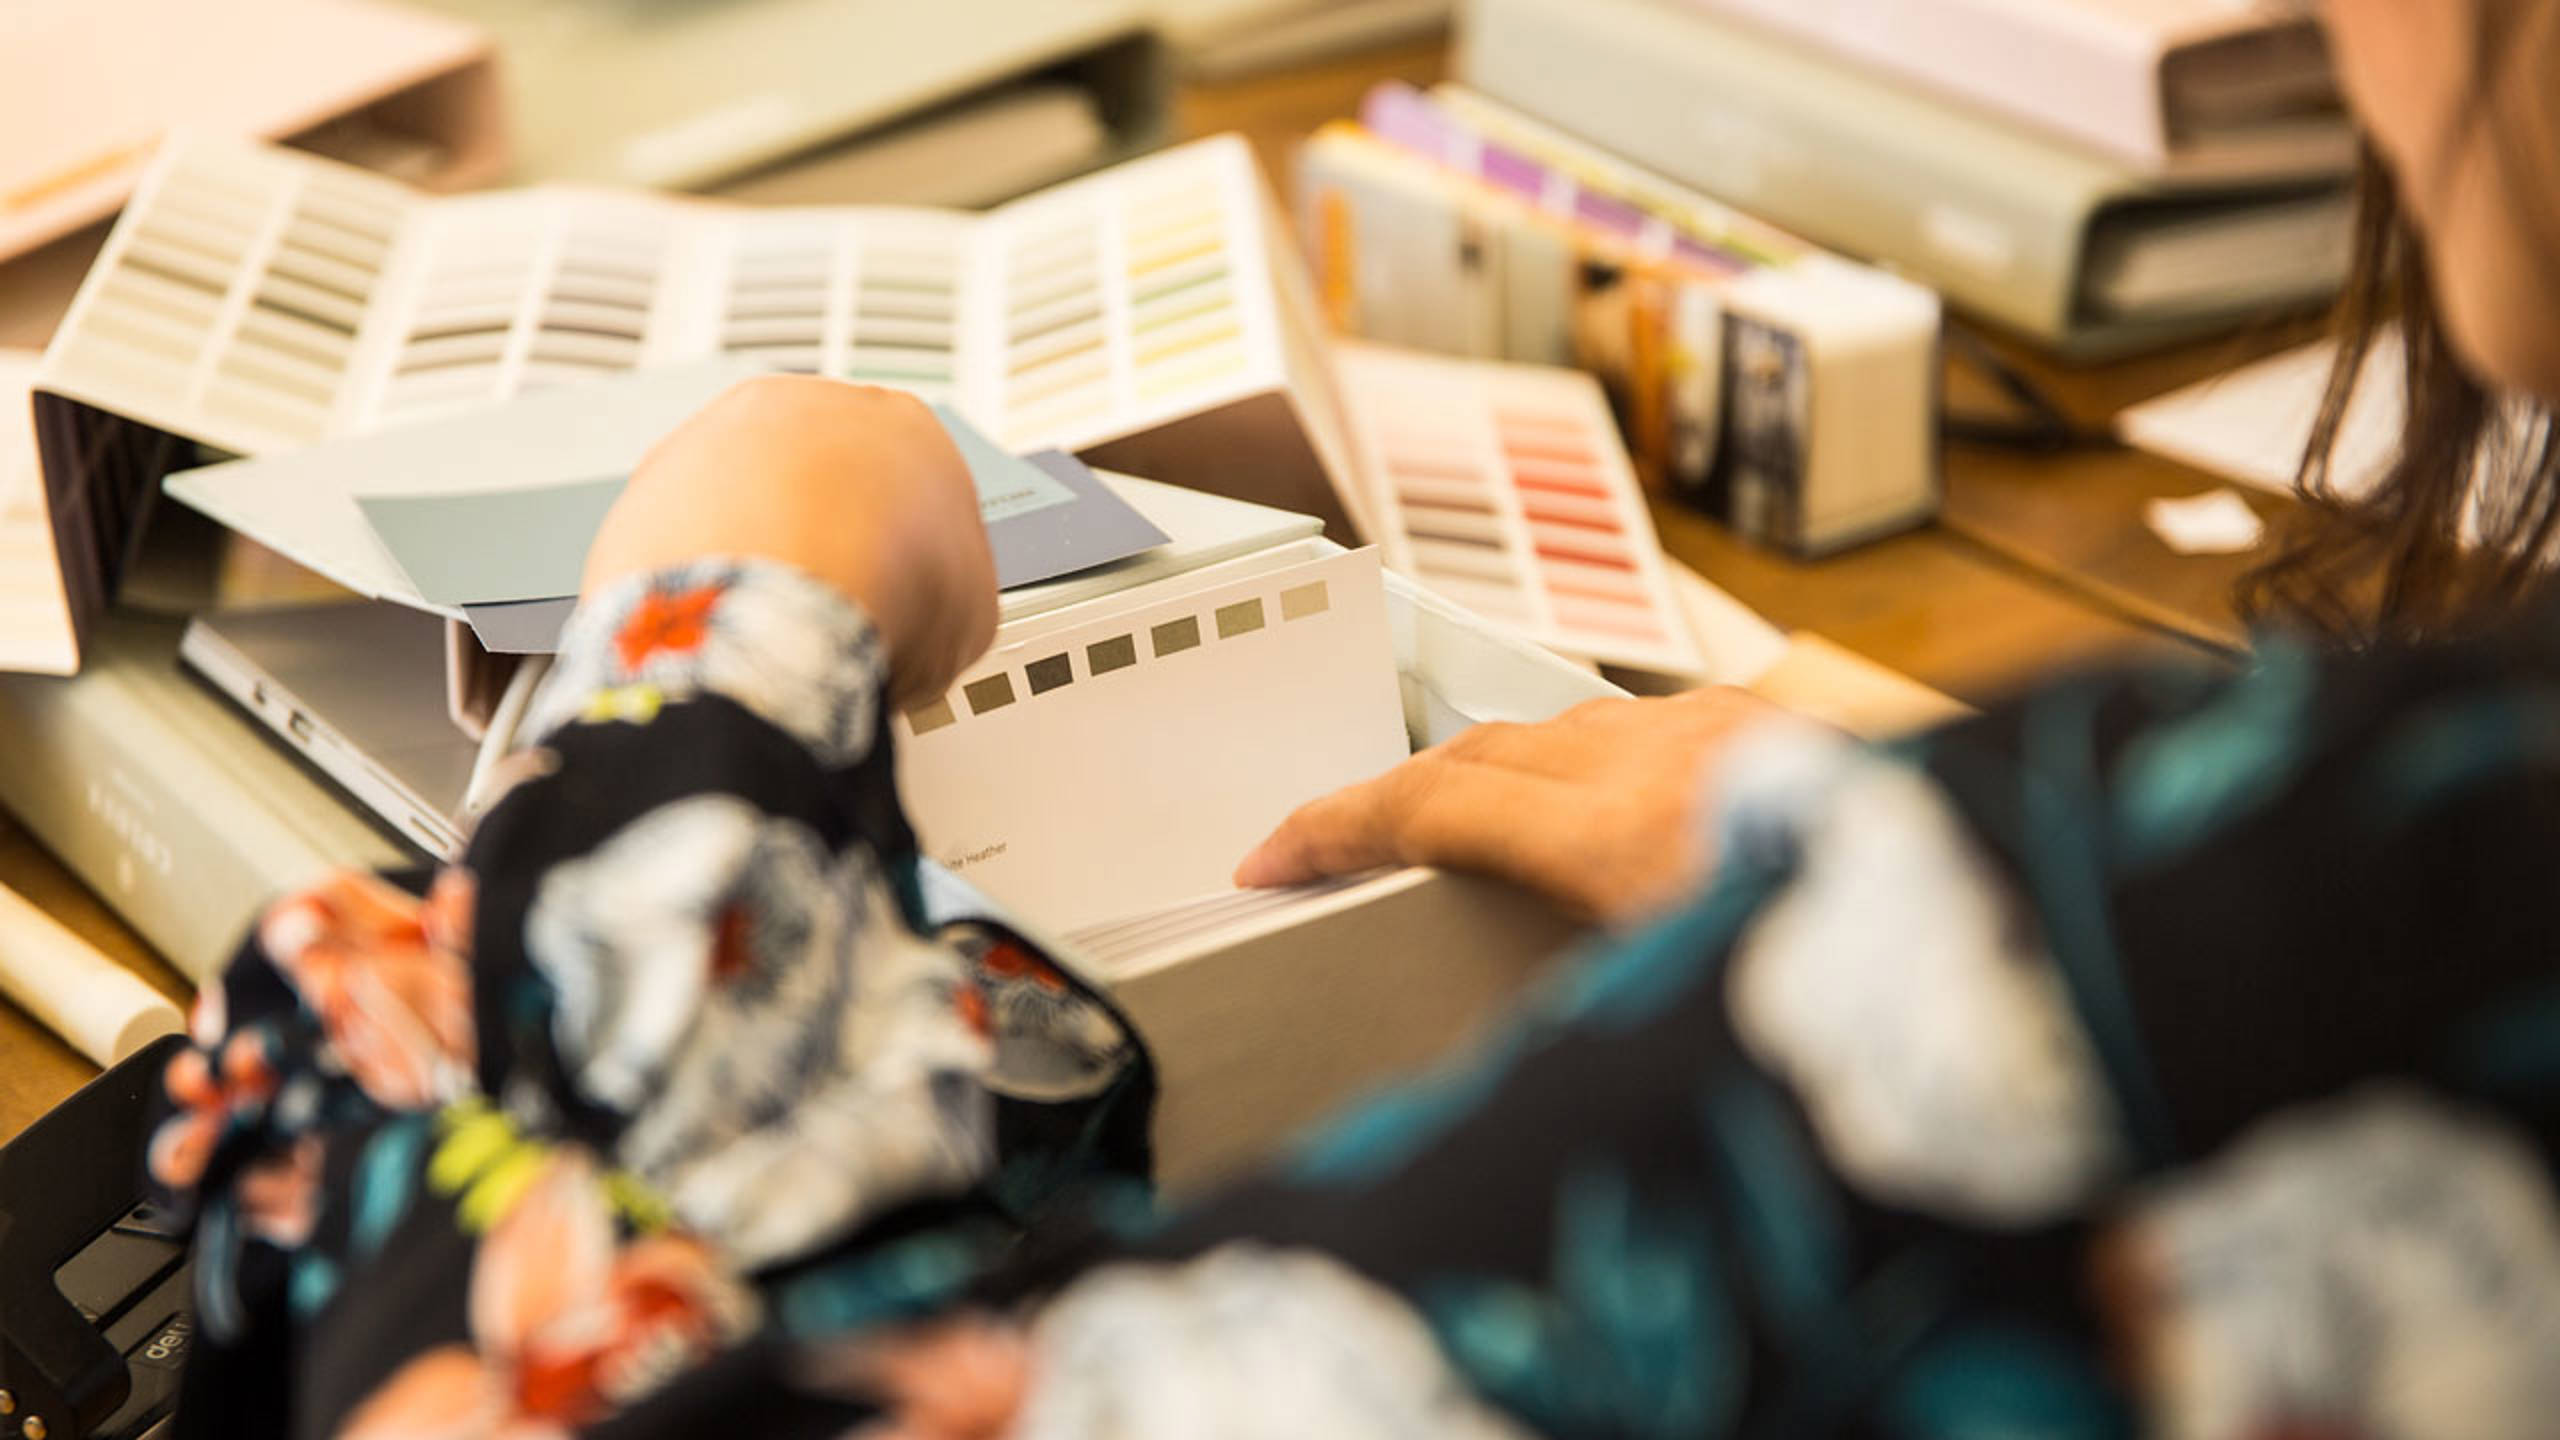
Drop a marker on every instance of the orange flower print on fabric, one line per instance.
(1006, 961)
(208, 1093)
(280, 1194)
(790, 650)
(389, 978)
(666, 623)
(972, 1005)
(566, 1328)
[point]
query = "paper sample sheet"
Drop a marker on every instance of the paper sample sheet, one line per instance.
(489, 515)
(2253, 424)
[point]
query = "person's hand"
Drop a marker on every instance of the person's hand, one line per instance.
(858, 486)
(1598, 808)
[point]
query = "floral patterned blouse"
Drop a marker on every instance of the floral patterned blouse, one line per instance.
(2165, 1054)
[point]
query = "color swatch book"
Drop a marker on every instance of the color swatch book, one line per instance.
(1506, 489)
(1120, 756)
(1784, 389)
(253, 299)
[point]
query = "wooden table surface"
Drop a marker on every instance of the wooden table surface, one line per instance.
(2041, 562)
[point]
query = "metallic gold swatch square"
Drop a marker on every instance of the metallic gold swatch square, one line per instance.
(1049, 672)
(1117, 653)
(1242, 618)
(1175, 636)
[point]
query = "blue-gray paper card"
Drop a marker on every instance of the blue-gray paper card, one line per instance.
(508, 558)
(1091, 527)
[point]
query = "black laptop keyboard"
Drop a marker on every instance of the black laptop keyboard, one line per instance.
(95, 1288)
(132, 1282)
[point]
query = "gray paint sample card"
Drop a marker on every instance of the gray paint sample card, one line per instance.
(1089, 527)
(509, 558)
(493, 546)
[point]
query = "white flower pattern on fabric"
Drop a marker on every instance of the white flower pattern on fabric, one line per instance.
(1247, 1343)
(795, 1059)
(785, 646)
(1931, 1042)
(2379, 1265)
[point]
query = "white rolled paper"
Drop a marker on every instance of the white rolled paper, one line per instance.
(103, 1009)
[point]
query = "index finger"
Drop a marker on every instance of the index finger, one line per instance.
(1430, 810)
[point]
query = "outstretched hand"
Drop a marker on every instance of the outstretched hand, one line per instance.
(1598, 809)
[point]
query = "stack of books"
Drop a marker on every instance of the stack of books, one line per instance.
(2099, 175)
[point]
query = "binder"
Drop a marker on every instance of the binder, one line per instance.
(2008, 224)
(1222, 39)
(802, 93)
(2188, 87)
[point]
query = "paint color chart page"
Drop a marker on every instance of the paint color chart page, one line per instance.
(871, 296)
(516, 292)
(1507, 489)
(1120, 756)
(233, 298)
(258, 298)
(1128, 298)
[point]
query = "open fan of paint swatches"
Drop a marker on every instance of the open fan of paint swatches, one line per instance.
(253, 299)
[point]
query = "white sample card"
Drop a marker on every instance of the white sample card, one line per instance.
(1120, 756)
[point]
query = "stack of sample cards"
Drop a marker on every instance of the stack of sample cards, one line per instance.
(253, 299)
(1119, 756)
(1506, 488)
(1785, 390)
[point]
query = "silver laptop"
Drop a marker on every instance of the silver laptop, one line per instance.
(358, 691)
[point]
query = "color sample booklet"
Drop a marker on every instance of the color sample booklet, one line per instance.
(1118, 757)
(258, 298)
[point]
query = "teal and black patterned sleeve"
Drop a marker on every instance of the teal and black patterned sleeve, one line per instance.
(501, 1150)
(2168, 1052)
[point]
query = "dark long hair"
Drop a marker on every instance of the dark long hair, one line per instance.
(2462, 525)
